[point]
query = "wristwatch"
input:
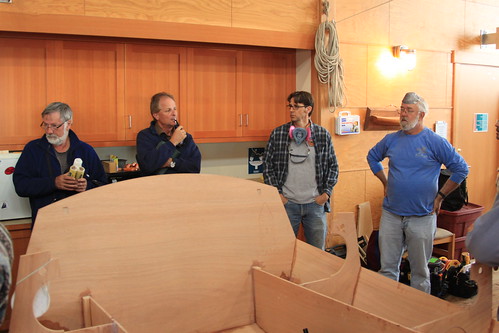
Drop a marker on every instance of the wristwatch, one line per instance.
(172, 164)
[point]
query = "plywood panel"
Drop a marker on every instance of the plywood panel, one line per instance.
(216, 12)
(480, 150)
(480, 15)
(153, 264)
(62, 7)
(276, 15)
(419, 24)
(388, 81)
(355, 73)
(347, 9)
(369, 27)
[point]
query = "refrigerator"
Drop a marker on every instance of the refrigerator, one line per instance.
(12, 206)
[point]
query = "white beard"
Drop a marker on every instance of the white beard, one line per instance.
(409, 125)
(57, 140)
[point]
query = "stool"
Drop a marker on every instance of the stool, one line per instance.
(443, 236)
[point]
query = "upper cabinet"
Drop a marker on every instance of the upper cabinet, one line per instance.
(151, 69)
(223, 94)
(267, 80)
(213, 78)
(23, 89)
(88, 77)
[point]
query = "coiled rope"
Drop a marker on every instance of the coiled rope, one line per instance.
(328, 62)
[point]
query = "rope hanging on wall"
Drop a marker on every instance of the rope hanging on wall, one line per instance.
(327, 60)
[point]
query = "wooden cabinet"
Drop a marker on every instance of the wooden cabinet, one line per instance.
(267, 80)
(90, 78)
(151, 69)
(212, 98)
(238, 95)
(23, 88)
(223, 93)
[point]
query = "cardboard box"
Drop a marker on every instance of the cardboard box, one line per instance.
(110, 166)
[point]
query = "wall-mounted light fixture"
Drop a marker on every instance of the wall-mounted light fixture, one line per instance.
(489, 38)
(406, 55)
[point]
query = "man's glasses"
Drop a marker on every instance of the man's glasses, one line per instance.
(295, 107)
(408, 111)
(52, 127)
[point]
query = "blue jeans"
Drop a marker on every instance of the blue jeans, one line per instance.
(313, 218)
(415, 233)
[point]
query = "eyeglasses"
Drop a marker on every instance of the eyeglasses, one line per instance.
(408, 111)
(295, 107)
(52, 127)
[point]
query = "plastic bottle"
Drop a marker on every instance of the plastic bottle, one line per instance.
(76, 170)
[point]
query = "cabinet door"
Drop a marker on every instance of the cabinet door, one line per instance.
(151, 69)
(22, 90)
(268, 79)
(90, 78)
(214, 110)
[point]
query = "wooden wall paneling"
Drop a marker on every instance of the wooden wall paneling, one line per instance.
(388, 81)
(23, 87)
(479, 15)
(37, 7)
(346, 9)
(267, 79)
(212, 78)
(90, 78)
(419, 24)
(355, 62)
(371, 26)
(151, 69)
(477, 90)
(185, 11)
(283, 15)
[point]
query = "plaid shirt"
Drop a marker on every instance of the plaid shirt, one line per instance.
(275, 166)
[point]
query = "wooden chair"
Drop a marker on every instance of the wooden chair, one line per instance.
(443, 236)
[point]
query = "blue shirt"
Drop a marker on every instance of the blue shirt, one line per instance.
(414, 167)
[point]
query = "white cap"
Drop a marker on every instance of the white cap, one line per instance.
(78, 162)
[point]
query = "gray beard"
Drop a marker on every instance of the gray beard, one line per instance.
(57, 140)
(409, 125)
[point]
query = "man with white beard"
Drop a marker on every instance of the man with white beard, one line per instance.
(42, 170)
(411, 197)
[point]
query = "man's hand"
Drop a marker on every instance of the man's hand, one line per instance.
(283, 199)
(178, 136)
(67, 183)
(437, 203)
(321, 199)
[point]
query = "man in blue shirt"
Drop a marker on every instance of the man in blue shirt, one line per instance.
(412, 199)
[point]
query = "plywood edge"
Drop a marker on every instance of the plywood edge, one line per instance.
(282, 306)
(117, 27)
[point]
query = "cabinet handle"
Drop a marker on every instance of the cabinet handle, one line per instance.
(130, 121)
(240, 120)
(247, 120)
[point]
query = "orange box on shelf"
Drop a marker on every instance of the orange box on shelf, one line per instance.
(460, 220)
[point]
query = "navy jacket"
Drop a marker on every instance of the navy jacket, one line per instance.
(153, 150)
(37, 168)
